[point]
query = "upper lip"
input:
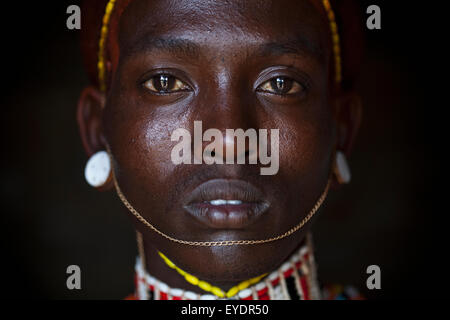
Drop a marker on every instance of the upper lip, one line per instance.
(226, 190)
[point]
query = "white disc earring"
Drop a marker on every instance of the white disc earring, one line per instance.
(98, 169)
(341, 168)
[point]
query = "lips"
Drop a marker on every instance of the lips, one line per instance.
(226, 204)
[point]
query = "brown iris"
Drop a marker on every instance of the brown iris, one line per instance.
(281, 86)
(164, 83)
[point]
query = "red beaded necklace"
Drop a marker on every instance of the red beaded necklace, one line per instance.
(295, 279)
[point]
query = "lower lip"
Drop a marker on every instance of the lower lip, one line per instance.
(227, 216)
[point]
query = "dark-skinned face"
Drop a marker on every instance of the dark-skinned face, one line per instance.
(233, 64)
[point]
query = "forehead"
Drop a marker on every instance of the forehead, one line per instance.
(218, 24)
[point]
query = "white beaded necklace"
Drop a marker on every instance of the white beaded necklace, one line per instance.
(294, 279)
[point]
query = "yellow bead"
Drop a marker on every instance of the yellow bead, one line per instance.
(204, 285)
(170, 263)
(218, 292)
(191, 279)
(243, 285)
(180, 271)
(166, 260)
(232, 292)
(335, 38)
(333, 27)
(336, 49)
(104, 33)
(256, 279)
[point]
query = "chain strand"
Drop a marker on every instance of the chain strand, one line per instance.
(216, 243)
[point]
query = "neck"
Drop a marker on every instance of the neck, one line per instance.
(294, 279)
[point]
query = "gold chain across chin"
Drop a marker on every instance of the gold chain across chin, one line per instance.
(217, 243)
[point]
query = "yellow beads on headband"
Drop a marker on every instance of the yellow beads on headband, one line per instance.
(102, 44)
(335, 40)
(110, 7)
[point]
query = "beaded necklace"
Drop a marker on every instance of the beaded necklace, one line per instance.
(295, 279)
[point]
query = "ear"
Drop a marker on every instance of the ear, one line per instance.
(348, 117)
(89, 118)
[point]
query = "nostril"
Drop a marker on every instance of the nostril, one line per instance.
(213, 154)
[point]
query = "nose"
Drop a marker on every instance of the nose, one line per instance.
(227, 113)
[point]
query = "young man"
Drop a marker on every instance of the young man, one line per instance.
(220, 230)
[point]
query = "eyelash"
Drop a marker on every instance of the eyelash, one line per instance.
(165, 80)
(270, 86)
(293, 87)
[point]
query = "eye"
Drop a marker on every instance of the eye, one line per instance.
(281, 86)
(164, 84)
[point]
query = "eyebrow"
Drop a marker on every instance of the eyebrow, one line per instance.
(176, 46)
(298, 45)
(188, 48)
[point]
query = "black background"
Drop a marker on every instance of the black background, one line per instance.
(51, 218)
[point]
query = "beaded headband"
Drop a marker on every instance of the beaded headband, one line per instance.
(110, 8)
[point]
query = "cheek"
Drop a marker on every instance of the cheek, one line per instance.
(306, 143)
(140, 138)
